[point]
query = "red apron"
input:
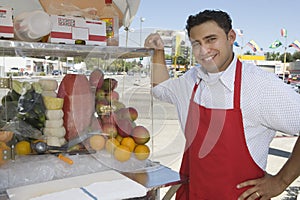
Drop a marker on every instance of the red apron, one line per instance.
(216, 157)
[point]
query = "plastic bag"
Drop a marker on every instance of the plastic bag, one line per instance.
(69, 9)
(31, 109)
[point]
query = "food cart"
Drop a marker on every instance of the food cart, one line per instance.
(33, 173)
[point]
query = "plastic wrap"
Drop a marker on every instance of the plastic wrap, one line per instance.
(69, 9)
(27, 170)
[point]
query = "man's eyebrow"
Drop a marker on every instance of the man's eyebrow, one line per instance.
(195, 41)
(210, 36)
(205, 38)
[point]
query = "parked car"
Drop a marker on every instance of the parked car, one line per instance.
(143, 74)
(72, 71)
(14, 71)
(27, 72)
(88, 72)
(56, 72)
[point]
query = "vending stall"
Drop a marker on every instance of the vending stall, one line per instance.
(85, 133)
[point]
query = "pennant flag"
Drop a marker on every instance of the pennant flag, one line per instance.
(253, 46)
(275, 44)
(240, 32)
(236, 44)
(295, 44)
(283, 32)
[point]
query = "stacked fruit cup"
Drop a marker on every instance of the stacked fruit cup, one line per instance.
(122, 137)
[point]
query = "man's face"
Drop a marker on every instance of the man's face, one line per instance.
(212, 48)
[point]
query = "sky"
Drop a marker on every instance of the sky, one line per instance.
(260, 20)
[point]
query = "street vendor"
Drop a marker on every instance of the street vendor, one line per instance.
(229, 111)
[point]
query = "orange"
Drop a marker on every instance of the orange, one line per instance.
(122, 153)
(111, 144)
(142, 152)
(23, 148)
(129, 142)
(97, 142)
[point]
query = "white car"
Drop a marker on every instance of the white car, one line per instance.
(72, 71)
(27, 72)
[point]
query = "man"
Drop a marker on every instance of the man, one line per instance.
(229, 112)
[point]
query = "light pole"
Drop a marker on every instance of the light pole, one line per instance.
(142, 19)
(127, 34)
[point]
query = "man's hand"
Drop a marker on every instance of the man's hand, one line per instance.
(154, 41)
(263, 188)
(159, 69)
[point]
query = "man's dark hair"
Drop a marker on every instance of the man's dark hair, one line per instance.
(220, 17)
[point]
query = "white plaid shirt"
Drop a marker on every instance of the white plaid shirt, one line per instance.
(268, 105)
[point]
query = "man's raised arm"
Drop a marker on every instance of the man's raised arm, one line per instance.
(159, 68)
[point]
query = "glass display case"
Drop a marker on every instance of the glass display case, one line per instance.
(123, 114)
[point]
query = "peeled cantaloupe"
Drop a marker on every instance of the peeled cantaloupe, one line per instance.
(54, 114)
(48, 84)
(53, 103)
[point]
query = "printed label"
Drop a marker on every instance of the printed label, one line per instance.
(109, 27)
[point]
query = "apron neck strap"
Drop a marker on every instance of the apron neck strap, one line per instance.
(237, 84)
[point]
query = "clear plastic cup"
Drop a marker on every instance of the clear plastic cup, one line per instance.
(32, 26)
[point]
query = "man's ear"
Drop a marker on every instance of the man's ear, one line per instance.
(231, 36)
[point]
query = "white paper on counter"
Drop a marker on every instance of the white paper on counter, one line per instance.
(107, 185)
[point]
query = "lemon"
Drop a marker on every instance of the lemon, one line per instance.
(111, 145)
(23, 148)
(141, 152)
(97, 142)
(122, 153)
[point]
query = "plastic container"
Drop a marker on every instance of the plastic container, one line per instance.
(32, 26)
(110, 15)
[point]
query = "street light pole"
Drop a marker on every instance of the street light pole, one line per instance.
(142, 19)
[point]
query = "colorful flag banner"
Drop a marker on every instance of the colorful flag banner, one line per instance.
(253, 46)
(240, 32)
(236, 44)
(283, 32)
(275, 44)
(295, 44)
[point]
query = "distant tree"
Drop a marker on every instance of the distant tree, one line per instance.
(78, 59)
(289, 57)
(248, 53)
(272, 56)
(296, 55)
(168, 57)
